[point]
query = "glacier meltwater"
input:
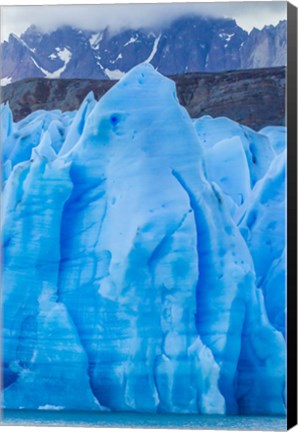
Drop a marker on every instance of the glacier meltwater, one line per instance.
(144, 257)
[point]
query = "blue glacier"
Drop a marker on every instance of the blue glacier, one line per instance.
(144, 257)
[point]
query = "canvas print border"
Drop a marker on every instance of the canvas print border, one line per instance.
(81, 128)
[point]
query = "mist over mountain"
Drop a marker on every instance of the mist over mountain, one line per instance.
(189, 44)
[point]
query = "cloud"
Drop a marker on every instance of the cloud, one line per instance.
(17, 19)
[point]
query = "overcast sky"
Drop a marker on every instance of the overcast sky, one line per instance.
(248, 14)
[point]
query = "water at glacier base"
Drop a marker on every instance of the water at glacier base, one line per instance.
(141, 420)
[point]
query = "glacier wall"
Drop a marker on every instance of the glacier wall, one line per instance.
(144, 257)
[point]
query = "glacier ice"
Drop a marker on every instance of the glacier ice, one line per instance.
(6, 121)
(227, 166)
(136, 265)
(257, 146)
(276, 136)
(31, 311)
(262, 223)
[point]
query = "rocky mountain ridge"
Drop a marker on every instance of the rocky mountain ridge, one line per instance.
(189, 44)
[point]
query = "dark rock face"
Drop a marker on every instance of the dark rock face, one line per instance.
(265, 48)
(124, 50)
(189, 44)
(18, 60)
(193, 44)
(79, 59)
(255, 98)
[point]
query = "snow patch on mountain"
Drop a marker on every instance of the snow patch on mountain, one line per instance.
(154, 50)
(226, 36)
(95, 40)
(114, 74)
(131, 40)
(5, 81)
(64, 55)
(119, 57)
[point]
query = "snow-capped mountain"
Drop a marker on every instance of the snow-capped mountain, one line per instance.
(189, 44)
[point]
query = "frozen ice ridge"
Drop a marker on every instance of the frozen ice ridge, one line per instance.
(143, 257)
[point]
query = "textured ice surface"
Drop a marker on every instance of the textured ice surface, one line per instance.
(43, 356)
(133, 279)
(257, 147)
(227, 165)
(262, 223)
(277, 137)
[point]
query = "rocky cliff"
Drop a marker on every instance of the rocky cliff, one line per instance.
(255, 98)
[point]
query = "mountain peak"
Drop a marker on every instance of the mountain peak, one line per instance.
(188, 44)
(33, 29)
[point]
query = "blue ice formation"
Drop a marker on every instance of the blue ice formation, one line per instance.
(138, 272)
(262, 224)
